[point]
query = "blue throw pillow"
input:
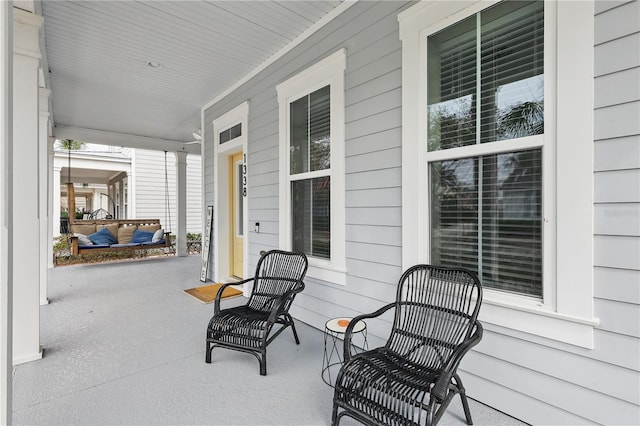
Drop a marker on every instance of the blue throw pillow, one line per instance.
(103, 237)
(140, 237)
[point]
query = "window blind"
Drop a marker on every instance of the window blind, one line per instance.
(231, 133)
(311, 216)
(310, 131)
(310, 151)
(512, 64)
(486, 84)
(486, 215)
(508, 42)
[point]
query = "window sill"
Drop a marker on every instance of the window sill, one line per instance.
(324, 271)
(534, 318)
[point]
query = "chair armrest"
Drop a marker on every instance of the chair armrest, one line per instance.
(349, 331)
(282, 300)
(216, 306)
(167, 239)
(441, 386)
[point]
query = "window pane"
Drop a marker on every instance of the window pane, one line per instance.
(310, 213)
(235, 131)
(451, 65)
(512, 63)
(320, 128)
(454, 213)
(310, 134)
(299, 142)
(510, 83)
(231, 133)
(486, 215)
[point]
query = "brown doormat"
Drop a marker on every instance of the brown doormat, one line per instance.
(207, 293)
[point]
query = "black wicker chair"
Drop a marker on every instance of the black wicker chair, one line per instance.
(412, 379)
(248, 328)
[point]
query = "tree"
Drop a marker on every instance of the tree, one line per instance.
(70, 145)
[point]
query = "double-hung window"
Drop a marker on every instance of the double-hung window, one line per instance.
(311, 106)
(485, 133)
(310, 173)
(497, 164)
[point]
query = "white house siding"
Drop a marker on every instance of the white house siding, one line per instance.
(534, 379)
(150, 189)
(617, 190)
(544, 382)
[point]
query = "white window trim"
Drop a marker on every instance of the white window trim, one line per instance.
(329, 71)
(239, 114)
(566, 313)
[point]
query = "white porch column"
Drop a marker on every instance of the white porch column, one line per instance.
(6, 225)
(120, 200)
(55, 204)
(43, 186)
(50, 199)
(26, 260)
(181, 203)
(131, 208)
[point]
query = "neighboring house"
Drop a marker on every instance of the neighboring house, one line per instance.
(364, 146)
(128, 184)
(148, 169)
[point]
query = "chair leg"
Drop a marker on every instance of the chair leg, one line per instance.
(293, 328)
(465, 406)
(207, 355)
(334, 416)
(263, 363)
(463, 398)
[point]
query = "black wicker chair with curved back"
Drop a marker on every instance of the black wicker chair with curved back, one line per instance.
(250, 327)
(412, 379)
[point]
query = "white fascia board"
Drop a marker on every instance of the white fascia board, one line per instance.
(93, 163)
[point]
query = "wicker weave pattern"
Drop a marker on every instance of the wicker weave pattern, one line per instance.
(412, 379)
(248, 328)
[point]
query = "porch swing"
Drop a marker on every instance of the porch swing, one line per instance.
(114, 235)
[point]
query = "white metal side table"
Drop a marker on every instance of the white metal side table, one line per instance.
(334, 330)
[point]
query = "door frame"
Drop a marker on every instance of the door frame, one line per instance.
(221, 209)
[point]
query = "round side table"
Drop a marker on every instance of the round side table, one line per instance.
(334, 330)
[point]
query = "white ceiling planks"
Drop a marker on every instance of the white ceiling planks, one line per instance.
(98, 54)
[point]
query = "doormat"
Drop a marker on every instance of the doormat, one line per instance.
(207, 293)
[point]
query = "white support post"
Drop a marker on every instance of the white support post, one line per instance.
(181, 203)
(26, 271)
(55, 204)
(50, 199)
(6, 226)
(131, 208)
(43, 186)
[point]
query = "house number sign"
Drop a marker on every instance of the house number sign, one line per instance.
(244, 175)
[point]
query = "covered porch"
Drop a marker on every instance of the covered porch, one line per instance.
(221, 79)
(124, 347)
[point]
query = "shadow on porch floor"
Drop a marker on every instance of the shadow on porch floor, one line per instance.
(124, 345)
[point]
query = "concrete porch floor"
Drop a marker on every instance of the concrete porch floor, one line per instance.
(124, 345)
